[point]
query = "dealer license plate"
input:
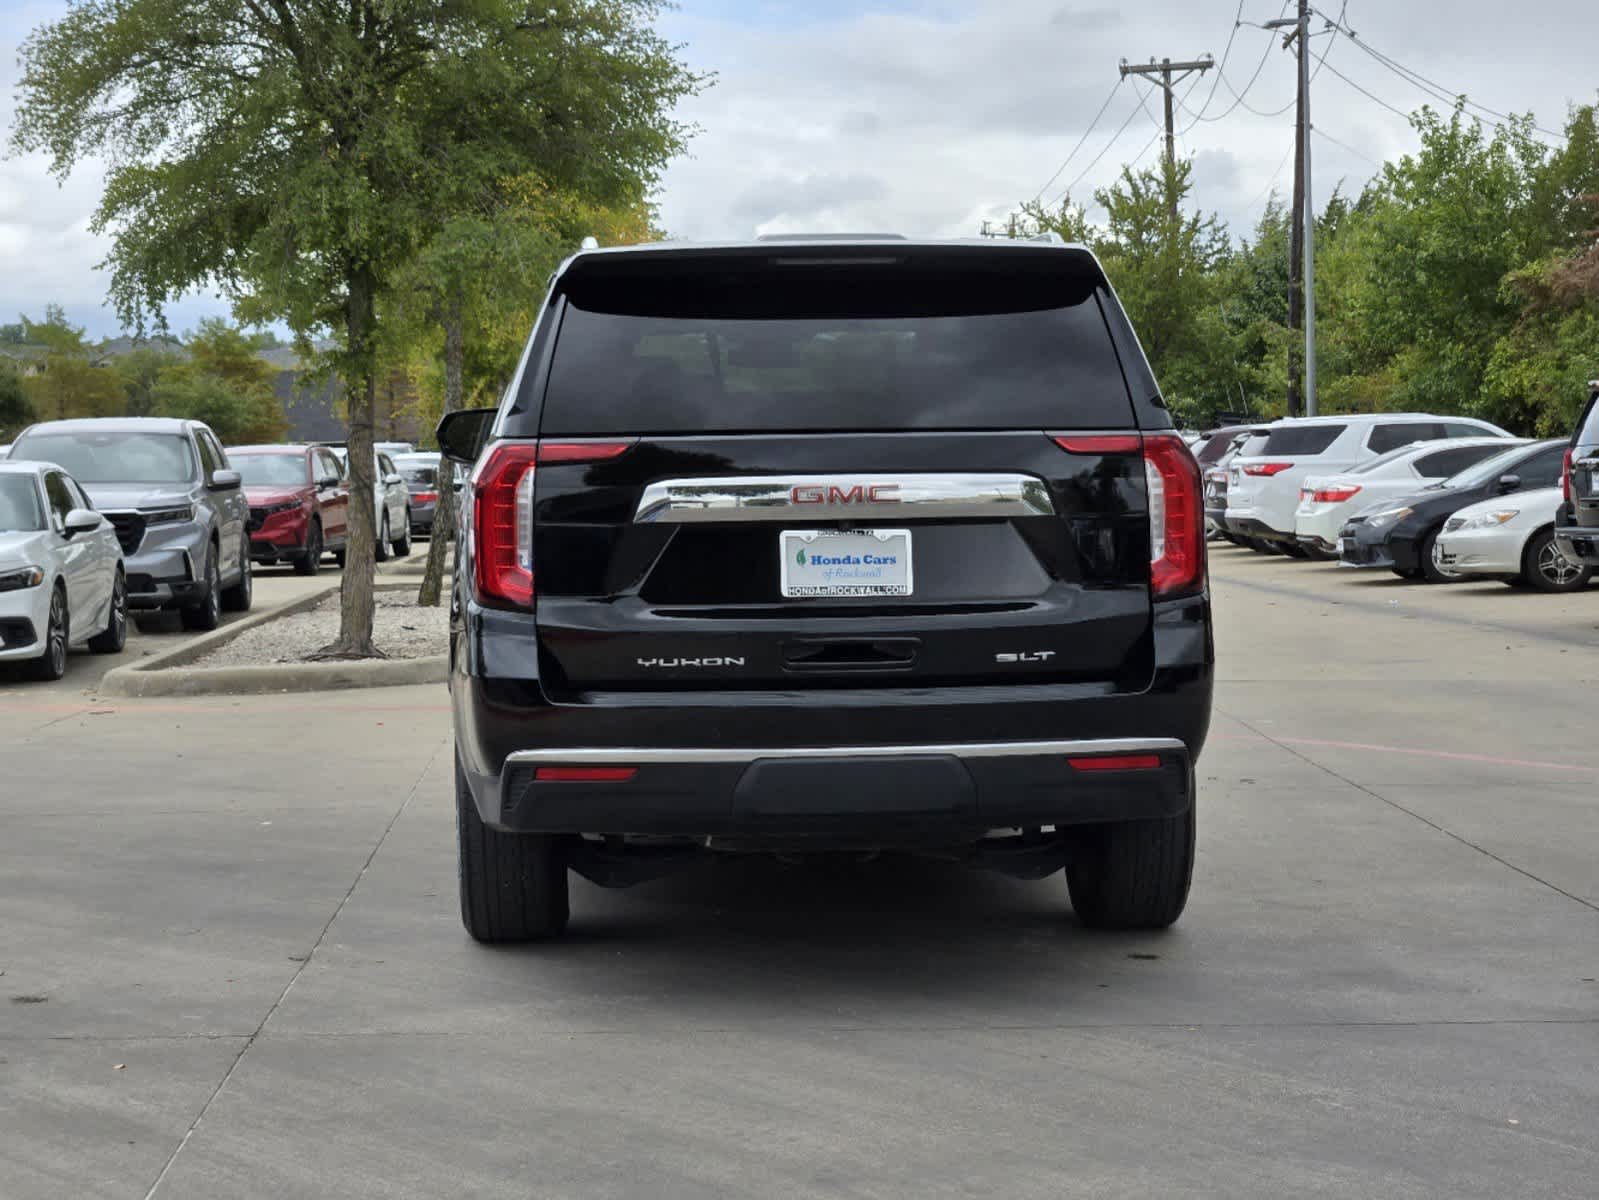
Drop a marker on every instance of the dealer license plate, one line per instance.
(819, 564)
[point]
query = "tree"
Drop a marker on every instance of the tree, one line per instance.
(473, 318)
(288, 152)
(70, 384)
(140, 370)
(15, 408)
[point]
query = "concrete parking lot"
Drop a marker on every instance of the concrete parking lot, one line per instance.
(231, 965)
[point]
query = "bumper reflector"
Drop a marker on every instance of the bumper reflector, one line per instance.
(1117, 762)
(584, 774)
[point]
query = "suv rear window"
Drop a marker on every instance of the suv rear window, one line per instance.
(1302, 439)
(850, 349)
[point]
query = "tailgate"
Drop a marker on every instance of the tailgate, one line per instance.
(668, 565)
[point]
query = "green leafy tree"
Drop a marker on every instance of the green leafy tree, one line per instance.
(290, 152)
(70, 383)
(16, 410)
(140, 370)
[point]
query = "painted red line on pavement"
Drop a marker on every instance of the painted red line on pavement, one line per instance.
(1418, 752)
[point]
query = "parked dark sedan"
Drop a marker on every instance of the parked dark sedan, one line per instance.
(1402, 534)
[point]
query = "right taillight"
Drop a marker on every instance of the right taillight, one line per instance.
(1334, 495)
(1565, 475)
(502, 513)
(1268, 469)
(1176, 517)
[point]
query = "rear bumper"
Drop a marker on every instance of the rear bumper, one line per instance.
(1580, 543)
(1250, 527)
(899, 793)
(901, 762)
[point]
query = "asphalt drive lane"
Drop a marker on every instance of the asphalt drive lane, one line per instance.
(1385, 983)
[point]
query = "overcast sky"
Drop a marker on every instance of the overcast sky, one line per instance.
(928, 116)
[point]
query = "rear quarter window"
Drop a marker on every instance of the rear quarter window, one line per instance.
(846, 349)
(1445, 463)
(1393, 435)
(1302, 439)
(1588, 424)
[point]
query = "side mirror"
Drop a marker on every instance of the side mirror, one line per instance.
(328, 481)
(224, 480)
(81, 520)
(1509, 483)
(392, 477)
(462, 434)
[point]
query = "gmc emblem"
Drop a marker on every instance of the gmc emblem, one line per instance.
(861, 493)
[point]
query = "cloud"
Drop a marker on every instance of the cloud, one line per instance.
(930, 116)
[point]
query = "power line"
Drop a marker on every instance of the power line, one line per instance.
(1437, 90)
(1082, 140)
(1374, 99)
(1114, 138)
(1322, 133)
(1275, 176)
(1238, 99)
(1227, 50)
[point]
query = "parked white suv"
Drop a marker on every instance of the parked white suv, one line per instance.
(1263, 489)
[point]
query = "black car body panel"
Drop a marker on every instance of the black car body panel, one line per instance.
(658, 636)
(1399, 544)
(1577, 525)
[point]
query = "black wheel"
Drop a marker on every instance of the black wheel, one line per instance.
(383, 537)
(1134, 874)
(52, 664)
(1407, 572)
(513, 885)
(310, 562)
(1294, 550)
(115, 635)
(1545, 568)
(1432, 567)
(339, 556)
(1259, 545)
(239, 597)
(206, 613)
(402, 546)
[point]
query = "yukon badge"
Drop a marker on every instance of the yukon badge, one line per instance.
(674, 663)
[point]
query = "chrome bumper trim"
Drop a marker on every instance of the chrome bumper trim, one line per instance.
(736, 754)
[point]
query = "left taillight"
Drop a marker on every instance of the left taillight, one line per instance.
(502, 513)
(1176, 517)
(1565, 475)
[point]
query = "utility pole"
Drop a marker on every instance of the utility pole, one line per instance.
(1302, 278)
(1164, 70)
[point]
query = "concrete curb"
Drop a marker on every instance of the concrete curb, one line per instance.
(168, 673)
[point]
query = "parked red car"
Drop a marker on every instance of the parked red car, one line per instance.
(299, 504)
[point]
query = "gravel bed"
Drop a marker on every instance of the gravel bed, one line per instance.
(400, 628)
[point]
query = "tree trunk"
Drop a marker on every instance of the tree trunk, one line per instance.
(360, 563)
(444, 518)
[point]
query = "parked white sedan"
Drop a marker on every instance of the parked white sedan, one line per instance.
(1327, 501)
(61, 573)
(1511, 537)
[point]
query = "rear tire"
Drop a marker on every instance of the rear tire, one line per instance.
(1135, 874)
(1543, 566)
(241, 595)
(310, 562)
(383, 538)
(402, 544)
(513, 885)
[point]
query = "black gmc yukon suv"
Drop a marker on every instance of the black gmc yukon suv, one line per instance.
(1577, 523)
(852, 545)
